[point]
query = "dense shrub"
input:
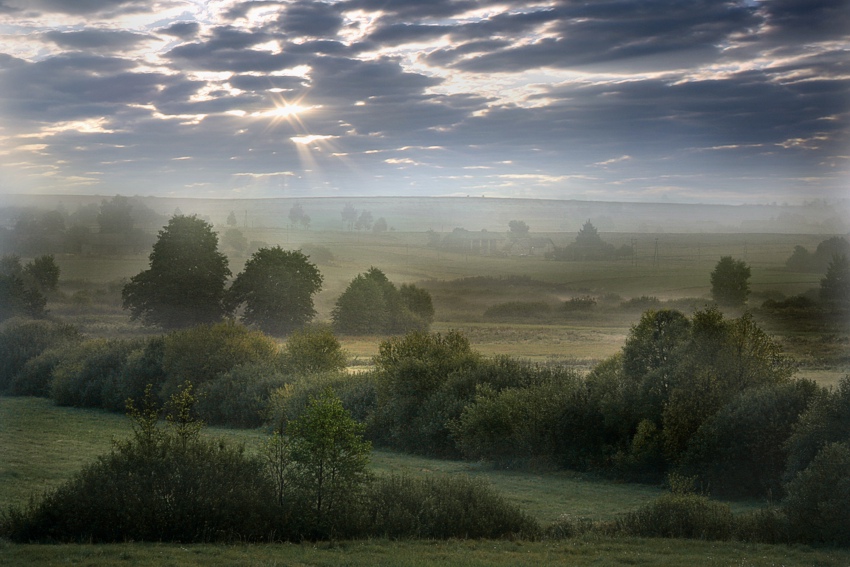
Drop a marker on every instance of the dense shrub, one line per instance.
(686, 516)
(90, 374)
(144, 367)
(827, 420)
(642, 303)
(313, 350)
(442, 507)
(36, 377)
(22, 340)
(818, 502)
(240, 396)
(358, 393)
(204, 352)
(740, 451)
(157, 486)
(583, 303)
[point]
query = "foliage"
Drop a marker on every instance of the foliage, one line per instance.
(371, 304)
(827, 420)
(349, 215)
(730, 282)
(90, 374)
(358, 393)
(801, 260)
(277, 288)
(313, 350)
(380, 225)
(687, 516)
(583, 303)
(23, 340)
(741, 450)
(231, 219)
(835, 286)
(588, 245)
(233, 239)
(184, 285)
(364, 221)
(442, 507)
(318, 254)
(517, 229)
(329, 458)
(204, 352)
(44, 271)
(160, 485)
(20, 292)
(240, 396)
(517, 309)
(818, 501)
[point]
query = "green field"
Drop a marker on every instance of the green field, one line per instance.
(43, 445)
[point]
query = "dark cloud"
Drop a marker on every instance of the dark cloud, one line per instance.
(412, 8)
(96, 39)
(316, 19)
(204, 57)
(264, 83)
(352, 80)
(105, 8)
(182, 30)
(805, 20)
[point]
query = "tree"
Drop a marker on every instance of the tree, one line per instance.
(329, 460)
(518, 229)
(231, 219)
(185, 284)
(277, 288)
(19, 290)
(729, 282)
(349, 215)
(235, 240)
(115, 215)
(380, 225)
(364, 221)
(44, 271)
(588, 236)
(313, 351)
(296, 215)
(835, 287)
(418, 301)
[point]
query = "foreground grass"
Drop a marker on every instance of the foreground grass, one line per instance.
(578, 552)
(44, 445)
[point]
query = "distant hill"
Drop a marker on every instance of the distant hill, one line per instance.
(443, 214)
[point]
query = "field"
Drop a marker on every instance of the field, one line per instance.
(42, 445)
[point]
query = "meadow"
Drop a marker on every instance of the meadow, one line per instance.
(43, 445)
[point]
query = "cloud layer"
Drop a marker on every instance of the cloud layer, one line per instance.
(732, 101)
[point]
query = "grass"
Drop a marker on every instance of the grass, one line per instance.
(574, 552)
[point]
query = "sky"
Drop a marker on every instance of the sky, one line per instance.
(697, 101)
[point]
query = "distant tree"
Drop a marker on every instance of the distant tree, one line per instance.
(19, 292)
(277, 288)
(801, 260)
(364, 221)
(730, 282)
(349, 215)
(184, 285)
(433, 238)
(380, 225)
(296, 214)
(835, 286)
(44, 272)
(588, 236)
(231, 219)
(235, 240)
(115, 215)
(518, 229)
(418, 302)
(305, 221)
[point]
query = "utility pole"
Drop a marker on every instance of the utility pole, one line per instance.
(655, 258)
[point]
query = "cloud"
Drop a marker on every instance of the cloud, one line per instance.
(96, 39)
(103, 8)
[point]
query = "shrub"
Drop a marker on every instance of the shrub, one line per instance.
(818, 501)
(686, 516)
(22, 340)
(36, 377)
(642, 303)
(765, 525)
(358, 393)
(157, 486)
(240, 396)
(827, 420)
(740, 451)
(144, 368)
(584, 303)
(442, 507)
(201, 353)
(90, 375)
(313, 350)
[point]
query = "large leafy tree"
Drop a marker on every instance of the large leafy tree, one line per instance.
(185, 284)
(277, 288)
(730, 282)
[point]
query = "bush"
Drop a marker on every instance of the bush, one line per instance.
(584, 303)
(740, 451)
(240, 396)
(441, 508)
(313, 350)
(766, 525)
(358, 393)
(22, 340)
(36, 377)
(818, 501)
(90, 375)
(642, 303)
(201, 353)
(687, 516)
(157, 486)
